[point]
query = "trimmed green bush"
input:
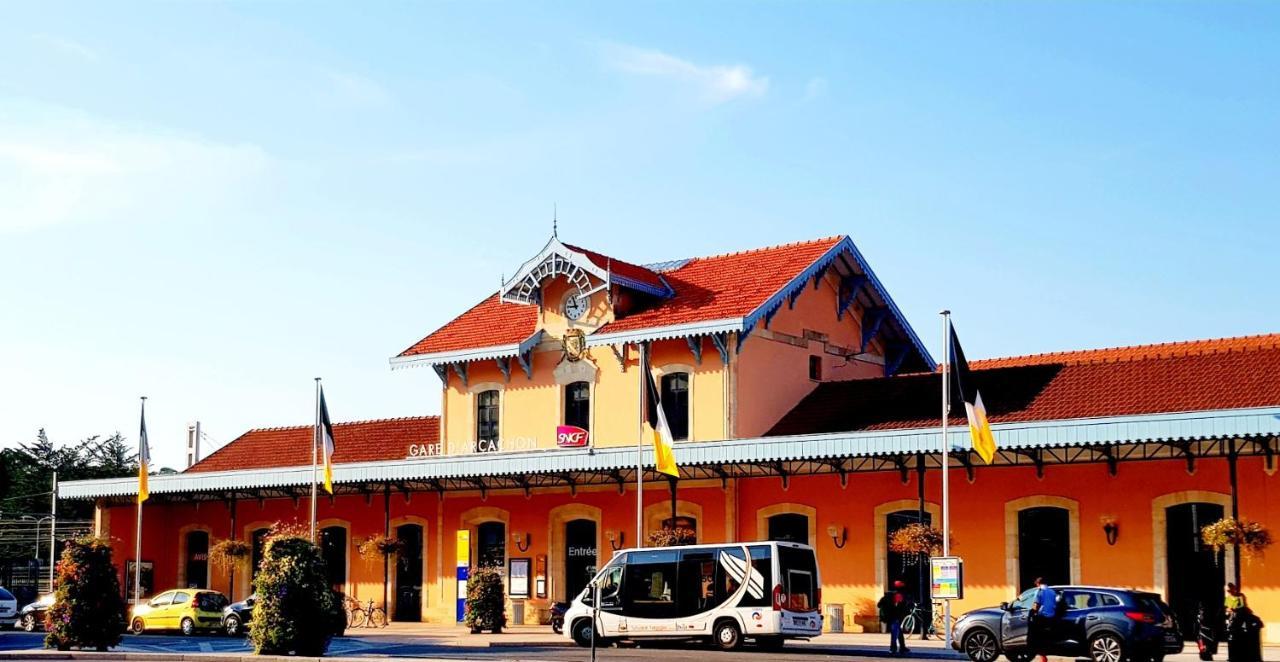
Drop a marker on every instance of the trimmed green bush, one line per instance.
(486, 601)
(88, 611)
(294, 612)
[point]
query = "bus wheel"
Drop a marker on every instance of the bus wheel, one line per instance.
(770, 643)
(582, 633)
(727, 636)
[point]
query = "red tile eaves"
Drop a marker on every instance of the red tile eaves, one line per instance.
(359, 441)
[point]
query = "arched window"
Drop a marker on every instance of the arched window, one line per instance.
(487, 420)
(912, 571)
(675, 403)
(197, 561)
(1197, 572)
(491, 545)
(333, 546)
(789, 527)
(577, 405)
(409, 573)
(1044, 546)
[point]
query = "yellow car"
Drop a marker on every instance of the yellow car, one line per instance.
(189, 610)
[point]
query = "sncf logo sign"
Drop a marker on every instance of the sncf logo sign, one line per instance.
(571, 436)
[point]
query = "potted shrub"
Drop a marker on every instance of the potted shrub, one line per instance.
(87, 610)
(486, 601)
(916, 541)
(294, 612)
(1251, 537)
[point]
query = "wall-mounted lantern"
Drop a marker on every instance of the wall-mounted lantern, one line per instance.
(1111, 528)
(521, 540)
(616, 539)
(839, 535)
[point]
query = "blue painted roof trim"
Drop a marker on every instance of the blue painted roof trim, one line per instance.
(820, 266)
(1220, 424)
(665, 293)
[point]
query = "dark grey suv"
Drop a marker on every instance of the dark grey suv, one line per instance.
(1106, 624)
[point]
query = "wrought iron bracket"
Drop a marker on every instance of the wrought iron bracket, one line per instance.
(721, 341)
(724, 476)
(573, 484)
(695, 346)
(504, 366)
(781, 467)
(1184, 448)
(1036, 455)
(905, 471)
(966, 461)
(460, 369)
(1108, 453)
(437, 486)
(616, 475)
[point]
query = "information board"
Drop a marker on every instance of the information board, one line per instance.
(946, 574)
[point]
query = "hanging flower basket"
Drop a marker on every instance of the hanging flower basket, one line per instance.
(227, 553)
(378, 547)
(916, 540)
(1251, 537)
(672, 537)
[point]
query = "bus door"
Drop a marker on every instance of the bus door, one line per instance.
(610, 620)
(696, 597)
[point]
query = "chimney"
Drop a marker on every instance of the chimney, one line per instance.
(193, 444)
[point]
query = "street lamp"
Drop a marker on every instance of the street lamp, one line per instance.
(52, 543)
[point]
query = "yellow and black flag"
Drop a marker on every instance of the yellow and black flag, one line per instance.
(326, 444)
(962, 381)
(664, 455)
(144, 457)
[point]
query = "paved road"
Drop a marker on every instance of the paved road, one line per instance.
(383, 645)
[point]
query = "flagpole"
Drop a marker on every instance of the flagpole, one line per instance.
(137, 530)
(946, 464)
(644, 399)
(315, 445)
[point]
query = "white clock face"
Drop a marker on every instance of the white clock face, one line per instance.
(575, 306)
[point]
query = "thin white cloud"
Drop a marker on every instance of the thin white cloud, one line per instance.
(356, 91)
(815, 89)
(66, 46)
(717, 83)
(61, 166)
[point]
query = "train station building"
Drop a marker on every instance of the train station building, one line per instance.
(804, 407)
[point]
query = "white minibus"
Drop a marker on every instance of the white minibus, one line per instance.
(764, 591)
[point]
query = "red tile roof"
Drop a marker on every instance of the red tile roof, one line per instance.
(1230, 373)
(359, 441)
(706, 289)
(624, 269)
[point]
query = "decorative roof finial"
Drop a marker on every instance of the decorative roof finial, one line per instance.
(555, 221)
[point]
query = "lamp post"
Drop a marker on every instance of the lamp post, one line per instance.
(52, 542)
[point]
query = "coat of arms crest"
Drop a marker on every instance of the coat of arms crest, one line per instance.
(575, 344)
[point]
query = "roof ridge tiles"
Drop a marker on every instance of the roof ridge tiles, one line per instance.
(1142, 352)
(280, 428)
(762, 249)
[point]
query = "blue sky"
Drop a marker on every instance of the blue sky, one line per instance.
(211, 204)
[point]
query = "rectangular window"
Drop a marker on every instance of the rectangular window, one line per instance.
(762, 563)
(487, 421)
(675, 403)
(815, 368)
(577, 405)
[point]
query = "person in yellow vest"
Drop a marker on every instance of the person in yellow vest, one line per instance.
(1234, 600)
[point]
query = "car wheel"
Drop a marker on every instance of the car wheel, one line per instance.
(29, 623)
(1106, 647)
(232, 626)
(727, 635)
(980, 645)
(188, 627)
(138, 627)
(583, 632)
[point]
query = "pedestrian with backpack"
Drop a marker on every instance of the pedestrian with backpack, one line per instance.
(893, 608)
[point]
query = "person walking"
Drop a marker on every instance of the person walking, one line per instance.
(1043, 610)
(893, 608)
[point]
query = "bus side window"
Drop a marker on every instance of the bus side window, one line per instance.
(649, 584)
(697, 582)
(731, 571)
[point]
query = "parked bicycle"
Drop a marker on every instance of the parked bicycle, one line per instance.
(367, 616)
(914, 623)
